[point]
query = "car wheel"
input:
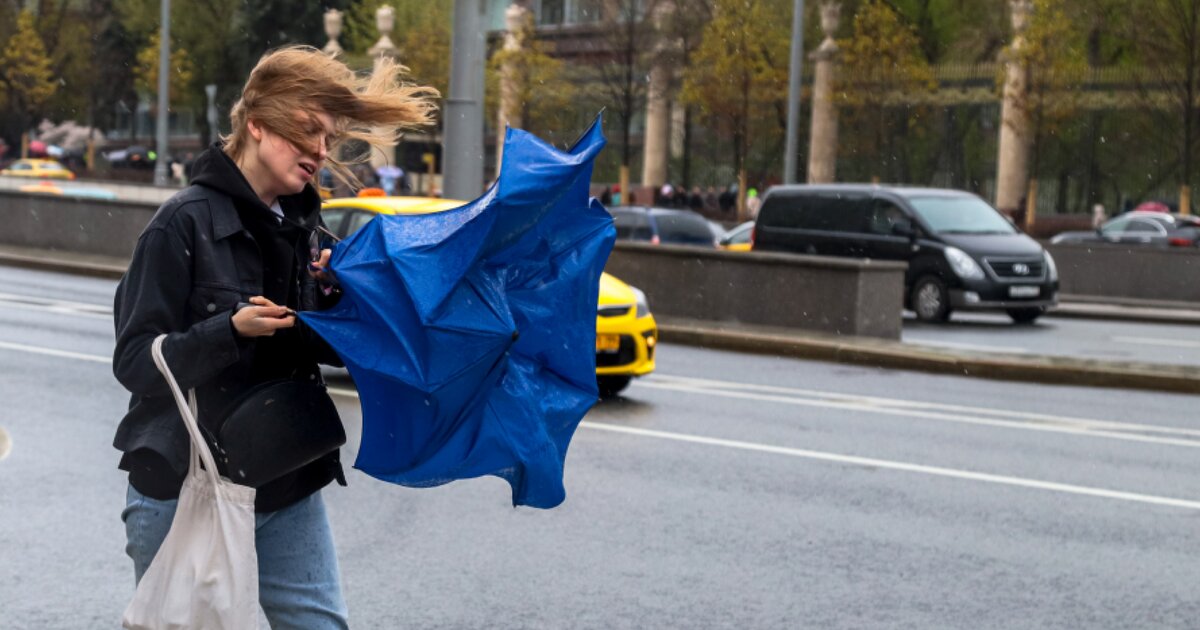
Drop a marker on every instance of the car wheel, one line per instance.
(610, 386)
(931, 300)
(1025, 315)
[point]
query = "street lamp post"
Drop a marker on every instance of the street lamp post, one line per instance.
(794, 85)
(164, 70)
(462, 143)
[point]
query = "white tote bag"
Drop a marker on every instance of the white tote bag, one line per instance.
(205, 574)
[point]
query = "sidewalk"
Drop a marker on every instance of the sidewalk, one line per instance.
(852, 350)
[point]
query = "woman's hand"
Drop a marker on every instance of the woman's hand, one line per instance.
(319, 268)
(262, 318)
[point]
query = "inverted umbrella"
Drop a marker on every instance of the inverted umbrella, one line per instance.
(471, 333)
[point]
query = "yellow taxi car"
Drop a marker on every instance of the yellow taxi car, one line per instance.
(39, 169)
(738, 239)
(626, 333)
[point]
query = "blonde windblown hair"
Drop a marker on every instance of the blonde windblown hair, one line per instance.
(301, 79)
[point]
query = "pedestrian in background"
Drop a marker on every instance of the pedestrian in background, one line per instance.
(221, 270)
(728, 199)
(696, 199)
(711, 207)
(753, 203)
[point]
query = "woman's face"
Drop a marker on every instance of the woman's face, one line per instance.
(286, 167)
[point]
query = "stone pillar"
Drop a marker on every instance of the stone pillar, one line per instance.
(823, 140)
(518, 20)
(385, 21)
(657, 140)
(333, 29)
(656, 144)
(1012, 174)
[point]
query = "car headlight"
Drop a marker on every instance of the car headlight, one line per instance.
(643, 306)
(1051, 268)
(963, 265)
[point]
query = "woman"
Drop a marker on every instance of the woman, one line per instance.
(222, 268)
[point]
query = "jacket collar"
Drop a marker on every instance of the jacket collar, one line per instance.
(225, 219)
(225, 185)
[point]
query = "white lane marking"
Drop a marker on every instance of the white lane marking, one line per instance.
(782, 450)
(900, 403)
(930, 415)
(64, 305)
(878, 463)
(955, 345)
(5, 444)
(1154, 341)
(55, 353)
(901, 466)
(870, 404)
(54, 309)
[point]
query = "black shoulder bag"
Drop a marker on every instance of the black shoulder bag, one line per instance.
(277, 427)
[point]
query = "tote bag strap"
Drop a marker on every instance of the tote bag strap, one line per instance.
(187, 409)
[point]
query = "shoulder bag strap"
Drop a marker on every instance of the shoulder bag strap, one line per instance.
(187, 409)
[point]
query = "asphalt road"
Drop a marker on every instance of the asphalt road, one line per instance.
(1105, 340)
(726, 491)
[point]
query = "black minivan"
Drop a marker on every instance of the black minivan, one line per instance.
(961, 252)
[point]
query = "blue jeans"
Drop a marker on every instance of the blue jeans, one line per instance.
(298, 582)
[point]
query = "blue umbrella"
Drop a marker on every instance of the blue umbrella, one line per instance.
(470, 333)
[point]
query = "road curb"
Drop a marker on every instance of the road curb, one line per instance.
(894, 355)
(854, 351)
(94, 269)
(1126, 314)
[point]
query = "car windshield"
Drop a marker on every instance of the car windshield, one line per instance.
(960, 215)
(740, 234)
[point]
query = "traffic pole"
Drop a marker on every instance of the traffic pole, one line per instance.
(164, 75)
(462, 142)
(794, 85)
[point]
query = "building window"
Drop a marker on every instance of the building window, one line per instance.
(552, 12)
(586, 11)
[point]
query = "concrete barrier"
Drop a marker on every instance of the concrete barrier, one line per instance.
(834, 295)
(86, 226)
(1128, 272)
(831, 295)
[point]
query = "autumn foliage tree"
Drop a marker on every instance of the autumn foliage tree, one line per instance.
(543, 91)
(1167, 36)
(739, 73)
(622, 63)
(883, 76)
(146, 73)
(1055, 59)
(25, 72)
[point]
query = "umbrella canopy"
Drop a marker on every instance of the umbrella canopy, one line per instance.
(389, 170)
(1152, 206)
(470, 333)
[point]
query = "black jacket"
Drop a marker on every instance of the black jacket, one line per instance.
(195, 261)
